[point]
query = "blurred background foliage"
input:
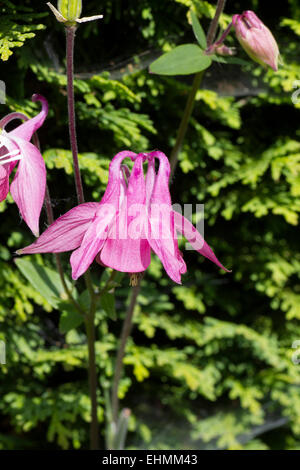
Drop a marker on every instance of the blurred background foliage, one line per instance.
(209, 364)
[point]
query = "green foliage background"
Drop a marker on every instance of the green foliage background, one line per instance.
(209, 364)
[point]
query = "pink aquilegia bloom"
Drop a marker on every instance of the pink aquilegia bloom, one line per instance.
(134, 217)
(29, 183)
(256, 39)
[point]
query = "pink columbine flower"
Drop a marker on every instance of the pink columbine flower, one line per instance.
(256, 39)
(134, 217)
(29, 183)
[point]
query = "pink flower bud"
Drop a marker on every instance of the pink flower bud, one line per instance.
(256, 39)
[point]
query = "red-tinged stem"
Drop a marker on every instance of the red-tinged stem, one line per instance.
(212, 31)
(189, 107)
(90, 316)
(126, 329)
(224, 36)
(70, 39)
(92, 375)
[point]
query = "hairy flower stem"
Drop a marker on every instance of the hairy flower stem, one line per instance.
(126, 329)
(192, 94)
(70, 39)
(90, 316)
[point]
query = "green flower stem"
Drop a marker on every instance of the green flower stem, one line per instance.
(126, 329)
(192, 95)
(185, 121)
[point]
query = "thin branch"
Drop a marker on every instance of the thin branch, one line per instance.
(107, 285)
(212, 31)
(126, 329)
(70, 39)
(92, 374)
(90, 317)
(189, 107)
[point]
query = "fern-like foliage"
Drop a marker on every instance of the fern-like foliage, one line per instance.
(17, 24)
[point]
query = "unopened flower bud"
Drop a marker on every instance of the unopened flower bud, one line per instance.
(69, 12)
(256, 39)
(70, 9)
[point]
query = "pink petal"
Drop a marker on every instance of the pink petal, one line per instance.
(5, 148)
(262, 47)
(4, 182)
(9, 148)
(126, 249)
(28, 128)
(162, 232)
(126, 172)
(93, 240)
(28, 186)
(252, 19)
(127, 256)
(66, 233)
(150, 179)
(97, 233)
(115, 177)
(185, 227)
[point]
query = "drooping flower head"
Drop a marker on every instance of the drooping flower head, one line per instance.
(134, 217)
(256, 39)
(29, 183)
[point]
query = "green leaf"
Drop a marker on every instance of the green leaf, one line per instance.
(183, 60)
(107, 302)
(229, 60)
(198, 31)
(45, 280)
(69, 319)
